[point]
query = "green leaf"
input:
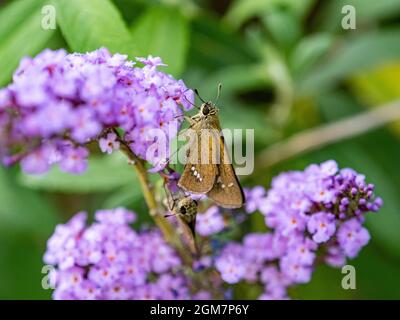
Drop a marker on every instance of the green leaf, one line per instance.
(22, 210)
(242, 10)
(91, 24)
(21, 267)
(163, 31)
(125, 197)
(238, 78)
(308, 51)
(356, 54)
(103, 174)
(284, 27)
(21, 34)
(14, 14)
(214, 47)
(129, 9)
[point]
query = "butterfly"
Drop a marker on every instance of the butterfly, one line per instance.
(184, 208)
(208, 169)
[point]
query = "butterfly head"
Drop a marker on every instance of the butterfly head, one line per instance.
(208, 109)
(186, 210)
(187, 206)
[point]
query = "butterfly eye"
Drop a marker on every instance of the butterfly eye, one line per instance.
(206, 110)
(182, 210)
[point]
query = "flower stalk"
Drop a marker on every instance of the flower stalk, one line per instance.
(163, 224)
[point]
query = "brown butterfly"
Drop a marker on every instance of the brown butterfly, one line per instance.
(184, 208)
(208, 169)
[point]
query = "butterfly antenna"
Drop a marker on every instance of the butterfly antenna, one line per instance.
(218, 92)
(190, 102)
(197, 94)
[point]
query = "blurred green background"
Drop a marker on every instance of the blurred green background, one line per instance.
(286, 66)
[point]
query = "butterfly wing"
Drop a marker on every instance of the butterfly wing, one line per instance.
(188, 229)
(199, 177)
(187, 221)
(226, 191)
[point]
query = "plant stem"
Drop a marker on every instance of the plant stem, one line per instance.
(170, 235)
(148, 194)
(315, 138)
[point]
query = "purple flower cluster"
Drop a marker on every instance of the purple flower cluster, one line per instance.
(209, 222)
(314, 216)
(321, 208)
(58, 102)
(109, 260)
